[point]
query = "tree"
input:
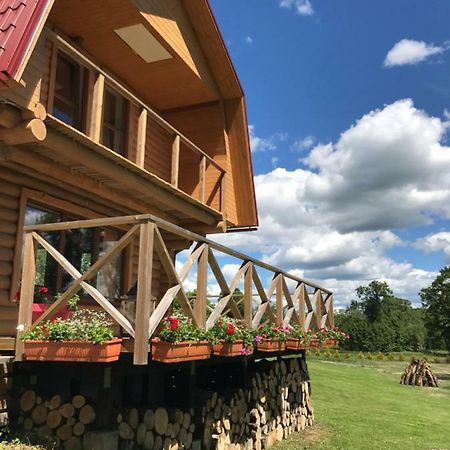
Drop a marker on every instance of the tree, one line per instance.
(436, 301)
(379, 321)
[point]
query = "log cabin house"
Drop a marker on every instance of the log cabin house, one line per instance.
(123, 129)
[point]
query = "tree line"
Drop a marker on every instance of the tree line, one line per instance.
(380, 321)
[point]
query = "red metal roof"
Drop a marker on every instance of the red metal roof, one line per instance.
(19, 20)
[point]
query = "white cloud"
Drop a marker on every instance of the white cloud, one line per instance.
(408, 51)
(301, 7)
(333, 220)
(303, 144)
(274, 161)
(270, 143)
(435, 242)
(249, 40)
(446, 114)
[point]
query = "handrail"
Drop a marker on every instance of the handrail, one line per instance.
(172, 228)
(127, 93)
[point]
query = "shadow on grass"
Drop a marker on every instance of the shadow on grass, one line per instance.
(309, 438)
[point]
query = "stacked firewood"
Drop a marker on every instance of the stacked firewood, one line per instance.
(156, 429)
(418, 373)
(54, 420)
(275, 405)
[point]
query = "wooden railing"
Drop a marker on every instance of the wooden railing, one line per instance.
(146, 114)
(309, 305)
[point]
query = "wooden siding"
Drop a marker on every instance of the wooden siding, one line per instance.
(205, 127)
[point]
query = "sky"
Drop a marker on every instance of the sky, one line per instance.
(349, 108)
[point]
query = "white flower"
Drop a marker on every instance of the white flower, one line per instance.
(20, 327)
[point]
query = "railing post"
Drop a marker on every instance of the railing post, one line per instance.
(330, 311)
(301, 304)
(175, 161)
(144, 292)
(248, 298)
(318, 308)
(279, 299)
(141, 138)
(26, 291)
(202, 179)
(202, 286)
(95, 122)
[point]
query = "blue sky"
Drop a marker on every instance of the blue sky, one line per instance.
(347, 107)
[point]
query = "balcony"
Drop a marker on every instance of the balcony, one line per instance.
(286, 300)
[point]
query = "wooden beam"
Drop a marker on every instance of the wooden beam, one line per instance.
(300, 293)
(144, 293)
(95, 121)
(202, 286)
(248, 297)
(26, 292)
(175, 161)
(141, 138)
(26, 132)
(279, 298)
(202, 179)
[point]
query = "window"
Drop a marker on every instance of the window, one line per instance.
(68, 98)
(81, 247)
(115, 121)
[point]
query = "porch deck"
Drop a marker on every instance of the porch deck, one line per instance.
(287, 299)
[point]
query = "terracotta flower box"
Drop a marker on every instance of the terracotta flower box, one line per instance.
(315, 343)
(295, 344)
(330, 343)
(75, 351)
(173, 352)
(228, 349)
(271, 345)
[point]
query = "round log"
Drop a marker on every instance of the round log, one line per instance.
(64, 432)
(73, 443)
(149, 419)
(54, 418)
(78, 429)
(24, 133)
(161, 420)
(67, 410)
(39, 414)
(140, 433)
(149, 440)
(87, 414)
(28, 424)
(78, 401)
(133, 418)
(27, 400)
(125, 431)
(158, 443)
(55, 402)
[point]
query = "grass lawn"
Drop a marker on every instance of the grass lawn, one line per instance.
(359, 404)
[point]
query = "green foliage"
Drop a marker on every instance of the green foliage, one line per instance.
(347, 355)
(231, 330)
(380, 356)
(180, 329)
(273, 331)
(436, 302)
(379, 321)
(369, 356)
(83, 325)
(390, 357)
(337, 355)
(72, 303)
(401, 357)
(361, 355)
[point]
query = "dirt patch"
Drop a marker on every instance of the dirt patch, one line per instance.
(306, 439)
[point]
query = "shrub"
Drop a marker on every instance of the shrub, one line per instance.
(361, 355)
(401, 357)
(380, 356)
(436, 360)
(369, 356)
(337, 354)
(390, 357)
(347, 355)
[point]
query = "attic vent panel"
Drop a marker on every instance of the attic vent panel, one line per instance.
(143, 43)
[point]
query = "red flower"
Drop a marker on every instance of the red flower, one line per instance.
(17, 296)
(230, 328)
(43, 290)
(173, 322)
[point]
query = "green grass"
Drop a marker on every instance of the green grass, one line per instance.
(359, 404)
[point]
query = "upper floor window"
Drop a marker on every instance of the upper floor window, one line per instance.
(115, 121)
(68, 93)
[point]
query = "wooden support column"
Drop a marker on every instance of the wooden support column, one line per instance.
(175, 161)
(248, 297)
(301, 304)
(202, 286)
(202, 179)
(330, 311)
(95, 122)
(26, 291)
(279, 299)
(144, 292)
(318, 308)
(141, 138)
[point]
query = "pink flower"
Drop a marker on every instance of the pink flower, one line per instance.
(258, 339)
(43, 290)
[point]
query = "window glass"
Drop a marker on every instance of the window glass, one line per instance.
(115, 121)
(67, 102)
(81, 247)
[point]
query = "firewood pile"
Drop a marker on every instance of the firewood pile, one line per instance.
(54, 420)
(274, 405)
(156, 429)
(418, 373)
